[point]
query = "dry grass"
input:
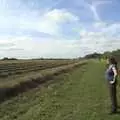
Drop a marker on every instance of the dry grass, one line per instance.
(24, 83)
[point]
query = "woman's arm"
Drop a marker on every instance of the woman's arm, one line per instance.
(115, 71)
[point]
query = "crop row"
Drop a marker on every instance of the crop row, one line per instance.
(19, 68)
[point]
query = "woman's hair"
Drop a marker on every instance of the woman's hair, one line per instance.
(112, 60)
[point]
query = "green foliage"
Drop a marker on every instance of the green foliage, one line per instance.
(94, 55)
(105, 55)
(116, 54)
(6, 58)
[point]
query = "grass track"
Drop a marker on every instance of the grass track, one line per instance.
(78, 95)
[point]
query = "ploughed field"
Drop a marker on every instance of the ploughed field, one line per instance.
(8, 68)
(18, 76)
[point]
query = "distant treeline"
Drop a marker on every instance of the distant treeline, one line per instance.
(50, 59)
(115, 53)
(6, 58)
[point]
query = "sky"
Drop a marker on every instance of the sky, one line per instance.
(58, 28)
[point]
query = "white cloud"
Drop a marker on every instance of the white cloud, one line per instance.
(113, 28)
(90, 41)
(48, 21)
(60, 15)
(51, 21)
(100, 25)
(27, 48)
(106, 38)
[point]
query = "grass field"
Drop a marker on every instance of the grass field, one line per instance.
(81, 94)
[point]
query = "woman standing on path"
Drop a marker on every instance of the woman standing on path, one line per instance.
(111, 74)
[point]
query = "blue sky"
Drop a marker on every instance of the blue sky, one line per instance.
(58, 28)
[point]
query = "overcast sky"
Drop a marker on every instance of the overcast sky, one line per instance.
(58, 28)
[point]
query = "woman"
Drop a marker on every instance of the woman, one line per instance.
(111, 74)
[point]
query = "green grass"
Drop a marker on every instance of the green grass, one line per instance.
(78, 95)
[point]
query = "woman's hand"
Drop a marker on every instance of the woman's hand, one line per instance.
(112, 81)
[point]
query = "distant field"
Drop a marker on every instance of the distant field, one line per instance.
(15, 67)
